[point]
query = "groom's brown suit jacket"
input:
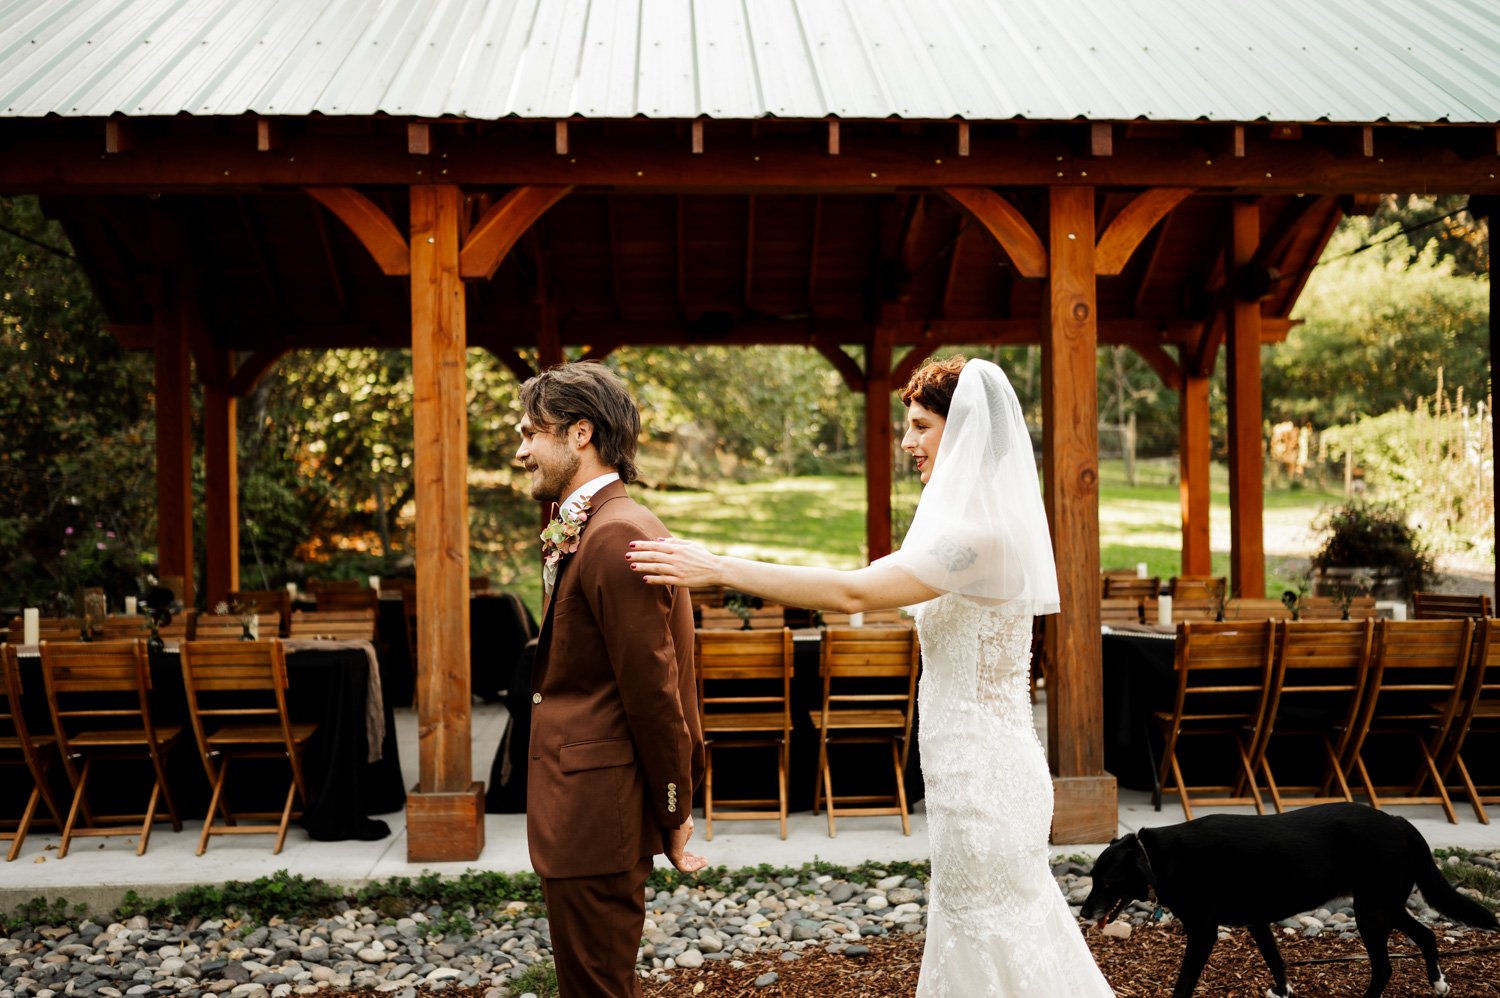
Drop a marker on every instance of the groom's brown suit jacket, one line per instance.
(616, 745)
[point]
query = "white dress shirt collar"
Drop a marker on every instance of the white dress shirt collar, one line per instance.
(587, 489)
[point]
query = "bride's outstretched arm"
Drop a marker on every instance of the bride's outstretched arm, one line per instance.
(674, 562)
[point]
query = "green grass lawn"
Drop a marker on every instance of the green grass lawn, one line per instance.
(820, 520)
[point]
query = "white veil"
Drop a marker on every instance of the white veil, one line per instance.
(980, 528)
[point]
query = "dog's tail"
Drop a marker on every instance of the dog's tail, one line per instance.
(1439, 892)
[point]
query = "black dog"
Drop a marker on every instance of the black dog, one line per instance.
(1255, 870)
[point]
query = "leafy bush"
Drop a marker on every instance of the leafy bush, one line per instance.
(1373, 535)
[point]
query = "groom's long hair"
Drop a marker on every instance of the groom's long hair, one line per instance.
(560, 396)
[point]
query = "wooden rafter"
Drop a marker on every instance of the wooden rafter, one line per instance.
(749, 253)
(850, 371)
(370, 225)
(506, 220)
(1132, 224)
(950, 278)
(335, 277)
(812, 254)
(512, 360)
(257, 246)
(680, 245)
(1009, 227)
(616, 286)
(1152, 259)
(904, 368)
(1161, 362)
(254, 367)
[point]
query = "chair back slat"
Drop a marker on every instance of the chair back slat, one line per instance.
(873, 618)
(233, 665)
(737, 668)
(1131, 588)
(770, 616)
(1120, 610)
(96, 682)
(1255, 609)
(345, 624)
(1449, 606)
(1197, 587)
(227, 626)
(1329, 608)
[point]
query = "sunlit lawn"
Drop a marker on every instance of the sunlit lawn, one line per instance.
(820, 520)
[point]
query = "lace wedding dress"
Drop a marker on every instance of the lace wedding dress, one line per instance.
(997, 923)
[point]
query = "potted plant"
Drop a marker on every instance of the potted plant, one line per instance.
(1370, 541)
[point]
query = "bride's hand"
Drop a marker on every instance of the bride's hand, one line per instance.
(669, 561)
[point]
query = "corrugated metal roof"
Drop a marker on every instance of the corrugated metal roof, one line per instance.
(1167, 60)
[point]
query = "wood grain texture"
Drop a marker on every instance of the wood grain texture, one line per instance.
(878, 444)
(1194, 451)
(370, 225)
(1247, 560)
(1085, 809)
(1007, 225)
(505, 222)
(1132, 224)
(221, 480)
(445, 827)
(1071, 476)
(440, 449)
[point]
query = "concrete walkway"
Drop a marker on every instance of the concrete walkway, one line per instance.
(99, 872)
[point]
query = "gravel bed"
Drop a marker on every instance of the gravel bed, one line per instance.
(796, 935)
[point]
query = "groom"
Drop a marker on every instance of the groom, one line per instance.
(616, 748)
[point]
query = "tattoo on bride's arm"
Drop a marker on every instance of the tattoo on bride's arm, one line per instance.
(953, 556)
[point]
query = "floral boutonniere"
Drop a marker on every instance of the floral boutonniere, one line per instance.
(561, 537)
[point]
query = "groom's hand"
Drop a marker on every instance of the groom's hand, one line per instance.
(677, 854)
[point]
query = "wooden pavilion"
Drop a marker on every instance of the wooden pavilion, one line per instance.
(492, 174)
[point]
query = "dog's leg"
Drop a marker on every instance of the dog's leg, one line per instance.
(1200, 943)
(1267, 945)
(1427, 943)
(1375, 930)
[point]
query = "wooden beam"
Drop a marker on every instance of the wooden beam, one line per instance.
(1149, 270)
(119, 135)
(1161, 362)
(560, 138)
(833, 137)
(1009, 227)
(1286, 130)
(174, 414)
(748, 295)
(963, 138)
(697, 137)
(1247, 562)
(907, 366)
(418, 138)
(1075, 699)
(950, 277)
(221, 481)
(1132, 224)
(1194, 451)
(335, 275)
(679, 227)
(878, 444)
(245, 377)
(257, 247)
(812, 255)
(1101, 139)
(505, 221)
(440, 451)
(853, 377)
(267, 135)
(517, 364)
(370, 225)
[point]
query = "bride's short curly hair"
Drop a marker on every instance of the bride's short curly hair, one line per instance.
(933, 384)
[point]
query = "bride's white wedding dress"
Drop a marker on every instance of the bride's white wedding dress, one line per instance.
(997, 923)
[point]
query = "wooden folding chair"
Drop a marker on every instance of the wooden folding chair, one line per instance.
(1317, 689)
(344, 625)
(227, 626)
(49, 629)
(1223, 675)
(266, 602)
(1415, 688)
(1254, 609)
(124, 628)
(1479, 715)
(1131, 588)
(99, 696)
(1446, 606)
(1120, 610)
(1329, 608)
(229, 722)
(744, 697)
(719, 618)
(869, 692)
(1197, 587)
(21, 749)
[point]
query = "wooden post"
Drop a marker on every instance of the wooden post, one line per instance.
(1247, 560)
(1085, 809)
(878, 443)
(1194, 451)
(221, 485)
(174, 418)
(445, 815)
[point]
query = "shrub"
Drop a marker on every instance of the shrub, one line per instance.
(1374, 535)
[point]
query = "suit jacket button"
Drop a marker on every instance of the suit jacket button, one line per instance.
(672, 787)
(536, 698)
(671, 808)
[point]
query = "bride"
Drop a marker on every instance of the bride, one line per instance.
(977, 566)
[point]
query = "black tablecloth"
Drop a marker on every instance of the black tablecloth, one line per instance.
(738, 773)
(1138, 679)
(326, 686)
(500, 624)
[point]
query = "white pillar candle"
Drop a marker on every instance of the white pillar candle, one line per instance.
(856, 620)
(1164, 610)
(291, 588)
(1140, 570)
(31, 626)
(131, 606)
(375, 583)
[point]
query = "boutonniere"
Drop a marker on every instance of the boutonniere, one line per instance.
(561, 537)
